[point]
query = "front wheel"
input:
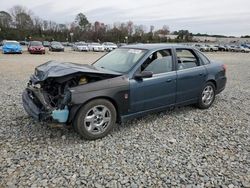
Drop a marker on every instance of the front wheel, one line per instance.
(207, 96)
(95, 119)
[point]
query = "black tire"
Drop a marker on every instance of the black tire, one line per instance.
(81, 126)
(201, 104)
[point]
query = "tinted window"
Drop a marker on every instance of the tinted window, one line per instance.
(186, 59)
(158, 62)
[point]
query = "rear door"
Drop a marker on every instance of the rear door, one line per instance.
(191, 75)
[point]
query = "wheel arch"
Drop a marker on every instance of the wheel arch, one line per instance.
(212, 81)
(76, 109)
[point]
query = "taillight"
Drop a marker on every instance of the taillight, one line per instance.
(224, 67)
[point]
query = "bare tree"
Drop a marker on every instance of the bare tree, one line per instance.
(82, 21)
(22, 17)
(5, 19)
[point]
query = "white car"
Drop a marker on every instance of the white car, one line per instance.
(80, 46)
(109, 46)
(96, 47)
(201, 47)
(212, 48)
(243, 49)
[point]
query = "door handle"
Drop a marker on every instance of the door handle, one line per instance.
(201, 74)
(169, 80)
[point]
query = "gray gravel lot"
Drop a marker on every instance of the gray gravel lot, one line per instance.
(185, 147)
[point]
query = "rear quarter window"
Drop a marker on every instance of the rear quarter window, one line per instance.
(203, 58)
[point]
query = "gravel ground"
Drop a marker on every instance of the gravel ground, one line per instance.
(185, 147)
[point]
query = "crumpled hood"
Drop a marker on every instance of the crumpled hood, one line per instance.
(53, 69)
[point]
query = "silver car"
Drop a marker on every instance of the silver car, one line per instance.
(201, 47)
(109, 46)
(80, 46)
(96, 47)
(212, 48)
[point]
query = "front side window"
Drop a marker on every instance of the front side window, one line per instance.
(158, 62)
(186, 59)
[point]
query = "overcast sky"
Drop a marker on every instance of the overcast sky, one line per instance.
(227, 17)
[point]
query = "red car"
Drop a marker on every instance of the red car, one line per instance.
(36, 47)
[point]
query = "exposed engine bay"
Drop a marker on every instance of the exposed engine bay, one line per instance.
(49, 89)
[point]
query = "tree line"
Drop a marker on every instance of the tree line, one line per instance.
(20, 23)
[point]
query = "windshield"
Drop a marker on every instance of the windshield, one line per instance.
(12, 43)
(56, 43)
(120, 60)
(109, 43)
(81, 44)
(35, 43)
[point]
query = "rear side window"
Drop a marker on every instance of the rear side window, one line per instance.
(186, 59)
(158, 62)
(203, 58)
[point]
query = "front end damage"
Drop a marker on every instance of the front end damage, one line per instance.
(44, 105)
(47, 96)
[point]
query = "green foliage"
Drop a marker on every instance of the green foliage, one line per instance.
(82, 21)
(5, 19)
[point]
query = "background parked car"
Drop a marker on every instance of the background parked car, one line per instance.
(80, 46)
(46, 43)
(109, 46)
(56, 46)
(121, 44)
(24, 43)
(246, 46)
(235, 49)
(243, 49)
(227, 48)
(36, 47)
(65, 43)
(96, 47)
(11, 46)
(201, 47)
(212, 48)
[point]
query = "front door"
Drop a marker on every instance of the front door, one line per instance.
(160, 89)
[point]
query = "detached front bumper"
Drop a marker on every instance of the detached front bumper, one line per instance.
(32, 108)
(36, 107)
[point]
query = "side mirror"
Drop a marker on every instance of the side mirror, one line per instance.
(144, 74)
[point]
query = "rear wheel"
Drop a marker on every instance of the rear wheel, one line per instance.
(95, 119)
(207, 96)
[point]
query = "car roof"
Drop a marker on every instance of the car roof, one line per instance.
(11, 41)
(155, 46)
